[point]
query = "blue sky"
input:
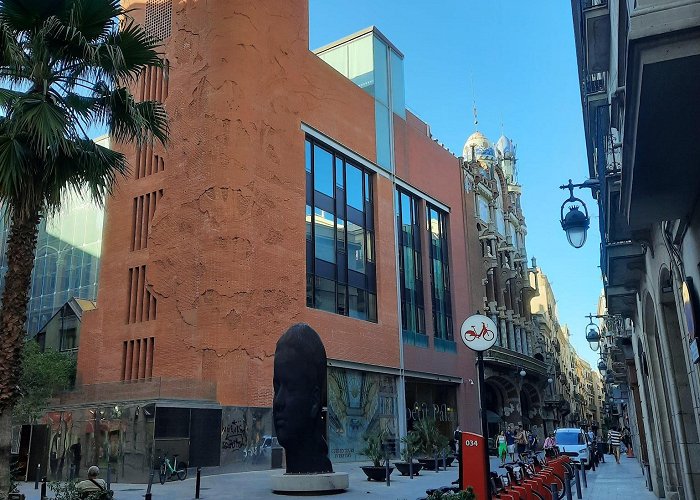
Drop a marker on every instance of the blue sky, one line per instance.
(521, 59)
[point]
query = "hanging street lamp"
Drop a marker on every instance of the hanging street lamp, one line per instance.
(592, 334)
(576, 222)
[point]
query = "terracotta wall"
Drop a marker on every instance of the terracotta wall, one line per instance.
(225, 255)
(426, 165)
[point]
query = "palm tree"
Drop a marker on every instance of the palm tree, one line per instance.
(65, 66)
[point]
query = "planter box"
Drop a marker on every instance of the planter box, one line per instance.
(429, 463)
(404, 469)
(376, 473)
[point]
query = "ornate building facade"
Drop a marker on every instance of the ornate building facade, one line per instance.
(516, 371)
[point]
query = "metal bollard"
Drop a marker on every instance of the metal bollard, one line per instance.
(147, 496)
(197, 484)
(38, 475)
(554, 490)
(437, 469)
(43, 488)
(410, 467)
(567, 485)
(388, 473)
(578, 482)
(583, 472)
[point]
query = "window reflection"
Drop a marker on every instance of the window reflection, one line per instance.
(340, 273)
(354, 187)
(440, 276)
(324, 235)
(356, 248)
(323, 171)
(407, 222)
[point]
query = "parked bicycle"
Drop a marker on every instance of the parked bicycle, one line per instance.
(169, 469)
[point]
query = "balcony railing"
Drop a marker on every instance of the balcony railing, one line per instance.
(596, 83)
(589, 4)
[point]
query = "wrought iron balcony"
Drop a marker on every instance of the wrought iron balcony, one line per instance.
(596, 83)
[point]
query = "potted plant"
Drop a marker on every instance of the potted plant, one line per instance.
(411, 447)
(375, 451)
(429, 436)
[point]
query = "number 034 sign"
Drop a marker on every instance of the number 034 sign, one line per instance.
(478, 332)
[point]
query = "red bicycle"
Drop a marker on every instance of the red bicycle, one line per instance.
(485, 333)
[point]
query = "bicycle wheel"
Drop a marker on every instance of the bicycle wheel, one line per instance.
(162, 476)
(181, 472)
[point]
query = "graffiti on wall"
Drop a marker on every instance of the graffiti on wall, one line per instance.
(359, 404)
(246, 438)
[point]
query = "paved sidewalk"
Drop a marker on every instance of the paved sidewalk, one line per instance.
(256, 485)
(610, 481)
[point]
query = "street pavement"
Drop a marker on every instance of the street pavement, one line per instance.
(610, 481)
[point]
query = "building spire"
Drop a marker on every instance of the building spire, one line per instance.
(476, 114)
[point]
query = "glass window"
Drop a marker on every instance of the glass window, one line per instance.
(439, 275)
(324, 295)
(308, 156)
(327, 275)
(324, 236)
(483, 209)
(339, 181)
(309, 218)
(407, 224)
(397, 85)
(356, 248)
(360, 63)
(354, 187)
(381, 88)
(383, 134)
(323, 171)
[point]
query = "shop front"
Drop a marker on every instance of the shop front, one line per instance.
(436, 400)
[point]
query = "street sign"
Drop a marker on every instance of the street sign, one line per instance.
(472, 464)
(478, 332)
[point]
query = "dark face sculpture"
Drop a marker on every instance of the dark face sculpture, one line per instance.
(300, 384)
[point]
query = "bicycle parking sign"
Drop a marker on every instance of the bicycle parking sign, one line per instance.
(478, 332)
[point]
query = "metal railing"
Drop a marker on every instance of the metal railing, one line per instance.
(589, 4)
(596, 83)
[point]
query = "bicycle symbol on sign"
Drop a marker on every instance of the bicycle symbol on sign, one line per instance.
(485, 334)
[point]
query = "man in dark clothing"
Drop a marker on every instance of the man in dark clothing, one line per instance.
(77, 452)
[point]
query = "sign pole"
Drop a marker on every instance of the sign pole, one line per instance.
(479, 333)
(484, 423)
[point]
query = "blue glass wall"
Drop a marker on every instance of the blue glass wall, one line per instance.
(67, 259)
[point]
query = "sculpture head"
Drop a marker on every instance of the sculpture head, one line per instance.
(300, 393)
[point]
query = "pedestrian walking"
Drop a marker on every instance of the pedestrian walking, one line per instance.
(457, 434)
(549, 445)
(502, 447)
(615, 437)
(510, 443)
(521, 441)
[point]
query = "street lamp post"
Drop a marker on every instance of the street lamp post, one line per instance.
(576, 222)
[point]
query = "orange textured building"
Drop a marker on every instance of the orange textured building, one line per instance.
(296, 188)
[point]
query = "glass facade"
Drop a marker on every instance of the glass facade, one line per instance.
(376, 67)
(67, 259)
(340, 257)
(410, 269)
(440, 280)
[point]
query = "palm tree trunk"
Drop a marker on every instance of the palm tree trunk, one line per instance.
(21, 246)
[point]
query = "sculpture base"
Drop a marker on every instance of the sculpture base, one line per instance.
(310, 484)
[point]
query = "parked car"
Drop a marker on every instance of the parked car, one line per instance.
(574, 443)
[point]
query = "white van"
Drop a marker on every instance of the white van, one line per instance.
(574, 442)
